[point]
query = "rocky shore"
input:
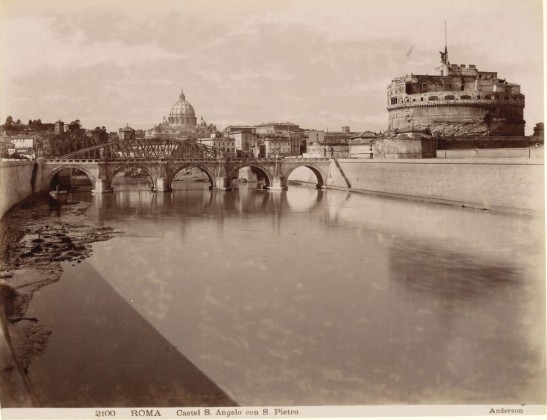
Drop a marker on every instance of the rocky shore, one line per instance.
(37, 236)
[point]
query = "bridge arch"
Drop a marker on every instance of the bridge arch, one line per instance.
(58, 169)
(203, 168)
(125, 167)
(234, 171)
(319, 175)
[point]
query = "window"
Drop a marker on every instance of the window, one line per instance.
(433, 98)
(449, 97)
(393, 101)
(467, 97)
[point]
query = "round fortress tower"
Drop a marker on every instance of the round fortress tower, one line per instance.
(461, 101)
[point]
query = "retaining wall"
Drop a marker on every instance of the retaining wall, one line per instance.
(15, 183)
(512, 185)
(504, 184)
(530, 153)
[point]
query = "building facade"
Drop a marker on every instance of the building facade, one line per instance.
(329, 144)
(286, 129)
(245, 138)
(314, 136)
(277, 146)
(22, 145)
(22, 142)
(59, 128)
(6, 145)
(126, 134)
(244, 142)
(538, 130)
(224, 144)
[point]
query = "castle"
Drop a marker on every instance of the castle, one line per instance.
(461, 101)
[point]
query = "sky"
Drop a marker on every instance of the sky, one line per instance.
(317, 63)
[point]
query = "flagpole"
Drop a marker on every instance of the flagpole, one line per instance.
(445, 43)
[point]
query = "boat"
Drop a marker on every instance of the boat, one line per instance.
(59, 195)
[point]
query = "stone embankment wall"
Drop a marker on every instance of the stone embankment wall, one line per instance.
(15, 183)
(526, 153)
(489, 142)
(510, 185)
(494, 183)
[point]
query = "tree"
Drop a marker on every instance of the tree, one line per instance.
(75, 126)
(99, 135)
(9, 122)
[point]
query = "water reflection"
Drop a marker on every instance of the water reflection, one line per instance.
(310, 297)
(479, 309)
(247, 199)
(103, 354)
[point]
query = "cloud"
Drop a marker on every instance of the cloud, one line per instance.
(211, 75)
(30, 45)
(251, 61)
(246, 74)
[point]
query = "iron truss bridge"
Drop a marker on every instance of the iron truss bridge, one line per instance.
(148, 149)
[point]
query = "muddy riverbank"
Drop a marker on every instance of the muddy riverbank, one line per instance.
(37, 236)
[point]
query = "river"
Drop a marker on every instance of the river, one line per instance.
(300, 297)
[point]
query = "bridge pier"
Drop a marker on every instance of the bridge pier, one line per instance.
(278, 183)
(101, 186)
(222, 183)
(162, 185)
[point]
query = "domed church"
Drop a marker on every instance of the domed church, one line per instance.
(182, 113)
(182, 122)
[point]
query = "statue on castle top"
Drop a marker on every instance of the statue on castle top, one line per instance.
(444, 56)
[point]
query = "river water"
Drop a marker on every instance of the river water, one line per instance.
(300, 297)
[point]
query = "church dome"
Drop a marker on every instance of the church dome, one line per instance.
(182, 113)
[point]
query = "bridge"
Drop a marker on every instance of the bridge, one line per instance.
(163, 158)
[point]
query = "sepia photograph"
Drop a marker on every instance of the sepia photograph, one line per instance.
(272, 209)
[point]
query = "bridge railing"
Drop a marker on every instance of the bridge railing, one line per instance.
(133, 160)
(59, 160)
(190, 160)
